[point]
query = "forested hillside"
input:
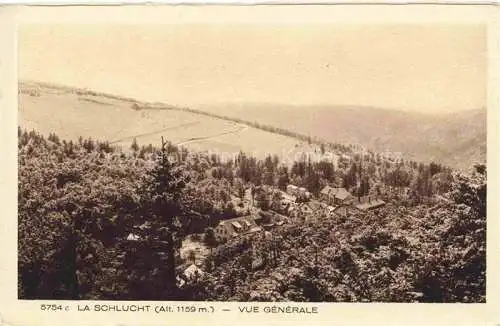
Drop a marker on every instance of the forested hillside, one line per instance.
(422, 254)
(79, 201)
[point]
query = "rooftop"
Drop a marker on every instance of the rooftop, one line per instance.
(239, 225)
(133, 237)
(237, 219)
(313, 205)
(192, 270)
(340, 193)
(374, 203)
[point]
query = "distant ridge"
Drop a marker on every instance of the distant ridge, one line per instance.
(71, 89)
(454, 139)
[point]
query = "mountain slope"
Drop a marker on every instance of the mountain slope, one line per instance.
(454, 139)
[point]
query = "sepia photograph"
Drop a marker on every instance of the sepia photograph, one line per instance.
(252, 162)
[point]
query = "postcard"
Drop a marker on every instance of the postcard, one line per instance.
(277, 164)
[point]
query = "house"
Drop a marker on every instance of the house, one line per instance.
(287, 198)
(305, 209)
(193, 271)
(292, 190)
(279, 219)
(227, 229)
(335, 196)
(310, 208)
(190, 273)
(295, 191)
(133, 237)
(366, 203)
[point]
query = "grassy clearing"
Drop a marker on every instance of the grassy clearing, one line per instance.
(72, 114)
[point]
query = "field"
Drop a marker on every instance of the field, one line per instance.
(72, 114)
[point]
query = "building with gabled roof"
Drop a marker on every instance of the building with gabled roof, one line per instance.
(232, 228)
(335, 196)
(292, 190)
(193, 271)
(287, 198)
(133, 237)
(187, 274)
(311, 207)
(298, 191)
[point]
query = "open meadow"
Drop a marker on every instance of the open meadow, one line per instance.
(72, 114)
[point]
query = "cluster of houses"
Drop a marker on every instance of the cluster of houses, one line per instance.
(341, 197)
(337, 201)
(332, 201)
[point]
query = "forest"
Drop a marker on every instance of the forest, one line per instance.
(78, 201)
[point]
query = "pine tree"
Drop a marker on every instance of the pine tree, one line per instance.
(283, 178)
(209, 238)
(165, 189)
(262, 200)
(134, 146)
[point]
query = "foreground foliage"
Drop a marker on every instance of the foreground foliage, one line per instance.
(78, 202)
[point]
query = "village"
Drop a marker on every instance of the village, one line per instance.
(294, 205)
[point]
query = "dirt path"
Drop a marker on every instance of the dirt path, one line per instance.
(195, 139)
(155, 132)
(190, 140)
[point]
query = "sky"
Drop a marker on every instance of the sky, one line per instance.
(428, 68)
